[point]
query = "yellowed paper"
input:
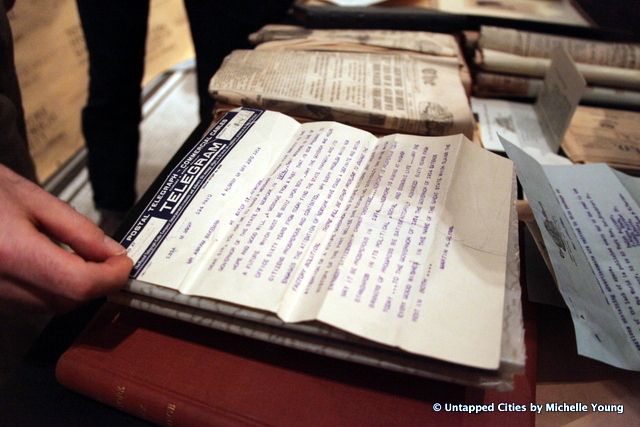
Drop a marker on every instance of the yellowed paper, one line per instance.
(324, 221)
(283, 37)
(603, 135)
(402, 93)
(493, 60)
(322, 339)
(492, 85)
(418, 41)
(523, 43)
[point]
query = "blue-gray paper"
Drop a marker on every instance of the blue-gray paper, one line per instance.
(589, 217)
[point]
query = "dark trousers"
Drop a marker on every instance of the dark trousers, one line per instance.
(115, 33)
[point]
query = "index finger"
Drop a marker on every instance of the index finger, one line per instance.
(60, 221)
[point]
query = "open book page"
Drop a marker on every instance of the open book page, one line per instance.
(589, 218)
(393, 93)
(292, 241)
(347, 229)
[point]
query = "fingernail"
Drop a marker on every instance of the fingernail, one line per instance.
(113, 246)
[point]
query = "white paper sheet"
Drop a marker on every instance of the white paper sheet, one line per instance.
(322, 221)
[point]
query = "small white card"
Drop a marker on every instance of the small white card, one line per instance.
(538, 128)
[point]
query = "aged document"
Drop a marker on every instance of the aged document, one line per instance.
(514, 120)
(421, 43)
(325, 222)
(523, 43)
(597, 75)
(387, 93)
(605, 135)
(539, 127)
(493, 85)
(589, 216)
(418, 41)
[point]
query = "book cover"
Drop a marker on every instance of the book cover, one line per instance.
(174, 373)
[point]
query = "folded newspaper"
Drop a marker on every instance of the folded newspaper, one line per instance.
(399, 252)
(385, 93)
(423, 43)
(603, 64)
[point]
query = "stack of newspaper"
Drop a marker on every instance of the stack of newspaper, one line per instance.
(512, 63)
(594, 134)
(292, 37)
(383, 81)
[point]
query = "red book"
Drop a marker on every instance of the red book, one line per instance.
(173, 373)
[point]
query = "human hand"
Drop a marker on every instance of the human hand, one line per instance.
(35, 272)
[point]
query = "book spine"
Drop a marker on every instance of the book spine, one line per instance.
(133, 396)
